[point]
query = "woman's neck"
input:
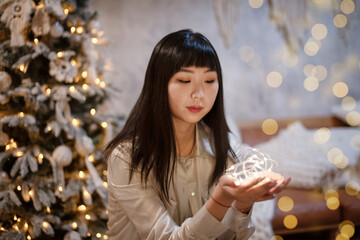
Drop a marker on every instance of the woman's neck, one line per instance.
(184, 138)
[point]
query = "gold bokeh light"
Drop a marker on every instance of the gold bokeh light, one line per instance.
(331, 193)
(353, 118)
(348, 103)
(352, 188)
(340, 89)
(340, 21)
(274, 79)
(269, 126)
(319, 71)
(347, 229)
(347, 6)
(333, 203)
(308, 70)
(290, 221)
(334, 155)
(322, 135)
(312, 47)
(285, 204)
(319, 31)
(311, 83)
(256, 3)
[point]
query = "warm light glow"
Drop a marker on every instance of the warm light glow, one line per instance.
(66, 11)
(45, 225)
(72, 29)
(308, 70)
(82, 208)
(340, 89)
(97, 81)
(36, 41)
(274, 79)
(319, 31)
(255, 3)
(352, 188)
(79, 30)
(72, 89)
(92, 111)
(269, 126)
(41, 157)
(31, 193)
(18, 188)
(348, 103)
(84, 74)
(19, 154)
(16, 227)
(22, 67)
(105, 173)
(320, 72)
(246, 53)
(285, 204)
(311, 47)
(335, 155)
(333, 203)
(60, 54)
(26, 226)
(340, 21)
(48, 210)
(48, 128)
(347, 229)
(60, 189)
(48, 92)
(85, 86)
(73, 62)
(322, 135)
(353, 118)
(311, 83)
(105, 184)
(347, 6)
(94, 40)
(87, 216)
(105, 236)
(91, 158)
(15, 217)
(86, 194)
(21, 114)
(290, 221)
(104, 124)
(74, 225)
(98, 235)
(81, 174)
(102, 84)
(75, 122)
(276, 237)
(28, 237)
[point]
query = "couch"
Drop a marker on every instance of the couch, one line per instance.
(309, 204)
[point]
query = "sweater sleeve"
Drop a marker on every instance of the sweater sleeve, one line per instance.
(145, 210)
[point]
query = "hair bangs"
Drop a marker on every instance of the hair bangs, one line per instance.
(197, 56)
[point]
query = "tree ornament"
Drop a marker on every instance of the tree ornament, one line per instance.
(16, 17)
(56, 30)
(62, 156)
(5, 81)
(40, 24)
(55, 7)
(62, 107)
(84, 145)
(61, 68)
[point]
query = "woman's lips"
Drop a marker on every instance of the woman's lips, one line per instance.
(195, 109)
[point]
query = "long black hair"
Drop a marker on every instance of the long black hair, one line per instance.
(149, 125)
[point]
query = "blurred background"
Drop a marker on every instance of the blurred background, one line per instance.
(280, 58)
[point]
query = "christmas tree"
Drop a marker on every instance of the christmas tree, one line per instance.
(52, 174)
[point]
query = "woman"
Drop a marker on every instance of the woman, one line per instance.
(166, 167)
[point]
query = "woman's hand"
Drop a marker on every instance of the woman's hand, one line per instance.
(243, 194)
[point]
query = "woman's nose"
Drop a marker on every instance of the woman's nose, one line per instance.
(198, 92)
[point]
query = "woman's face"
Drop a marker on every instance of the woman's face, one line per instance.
(192, 93)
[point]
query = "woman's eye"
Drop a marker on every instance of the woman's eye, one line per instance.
(210, 81)
(183, 81)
